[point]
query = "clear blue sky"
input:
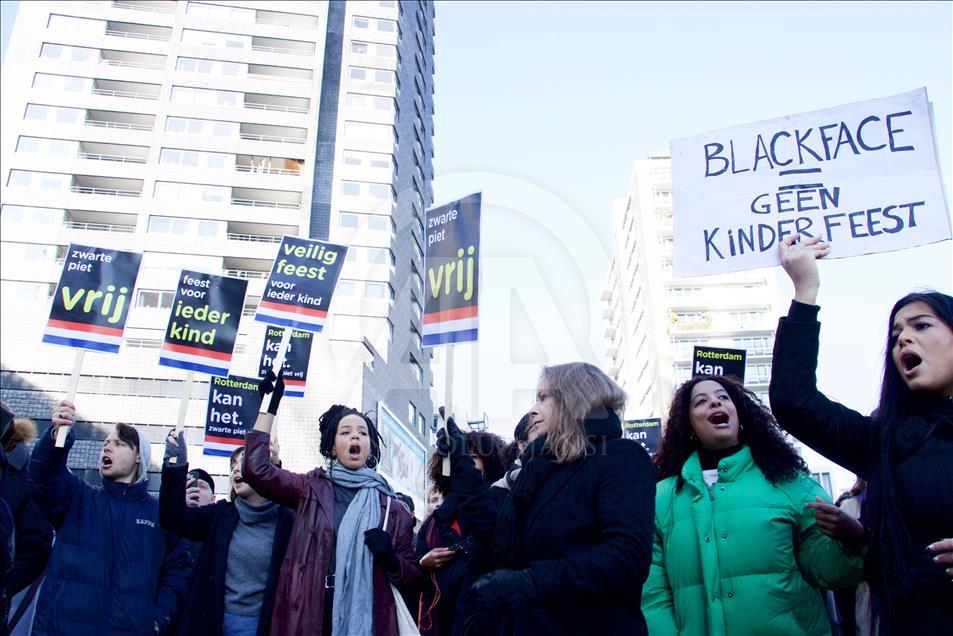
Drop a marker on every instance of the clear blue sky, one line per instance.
(545, 107)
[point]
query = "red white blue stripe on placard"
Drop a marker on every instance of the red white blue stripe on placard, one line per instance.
(195, 359)
(221, 446)
(294, 388)
(81, 335)
(293, 316)
(450, 326)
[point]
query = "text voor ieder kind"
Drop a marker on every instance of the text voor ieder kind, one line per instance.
(872, 134)
(314, 252)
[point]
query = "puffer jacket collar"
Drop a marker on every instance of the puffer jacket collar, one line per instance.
(729, 469)
(126, 492)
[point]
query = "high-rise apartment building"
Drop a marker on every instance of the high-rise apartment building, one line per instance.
(199, 133)
(654, 320)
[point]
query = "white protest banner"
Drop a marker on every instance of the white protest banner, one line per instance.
(863, 177)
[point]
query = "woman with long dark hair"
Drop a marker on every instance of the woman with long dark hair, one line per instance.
(737, 549)
(904, 449)
(450, 556)
(573, 537)
(243, 542)
(340, 565)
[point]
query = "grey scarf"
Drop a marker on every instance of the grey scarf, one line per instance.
(354, 564)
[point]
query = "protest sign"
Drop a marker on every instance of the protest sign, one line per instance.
(647, 432)
(298, 291)
(863, 177)
(297, 358)
(403, 458)
(231, 412)
(203, 323)
(715, 361)
(92, 298)
(452, 264)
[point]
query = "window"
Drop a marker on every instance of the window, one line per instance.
(350, 188)
(345, 288)
(411, 413)
(361, 23)
(191, 192)
(209, 67)
(219, 40)
(376, 132)
(347, 219)
(154, 299)
(417, 371)
(824, 479)
(194, 158)
(201, 127)
(357, 73)
(374, 290)
(204, 97)
(369, 159)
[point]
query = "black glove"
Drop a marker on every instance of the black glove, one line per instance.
(451, 443)
(505, 590)
(268, 385)
(381, 546)
(180, 452)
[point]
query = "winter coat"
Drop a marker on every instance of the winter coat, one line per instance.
(445, 601)
(212, 527)
(587, 540)
(744, 557)
(34, 533)
(113, 569)
(299, 599)
(919, 469)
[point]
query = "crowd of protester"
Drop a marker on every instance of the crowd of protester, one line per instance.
(570, 529)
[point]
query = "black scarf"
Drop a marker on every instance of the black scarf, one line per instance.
(538, 467)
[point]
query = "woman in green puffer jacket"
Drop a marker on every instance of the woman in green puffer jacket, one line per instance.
(741, 535)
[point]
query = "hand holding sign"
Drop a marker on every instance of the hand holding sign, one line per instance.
(799, 260)
(64, 415)
(275, 387)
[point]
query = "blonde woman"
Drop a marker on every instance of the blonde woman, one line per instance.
(573, 539)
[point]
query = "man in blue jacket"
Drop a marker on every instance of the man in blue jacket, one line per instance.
(113, 569)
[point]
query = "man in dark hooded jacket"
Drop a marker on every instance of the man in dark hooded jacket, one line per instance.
(113, 569)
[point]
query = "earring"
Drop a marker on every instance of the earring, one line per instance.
(693, 438)
(371, 462)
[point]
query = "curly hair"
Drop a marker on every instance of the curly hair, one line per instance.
(486, 446)
(759, 431)
(328, 426)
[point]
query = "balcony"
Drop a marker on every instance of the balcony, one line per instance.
(108, 186)
(289, 47)
(258, 198)
(282, 134)
(121, 121)
(138, 31)
(128, 59)
(112, 152)
(159, 6)
(250, 268)
(286, 19)
(268, 165)
(100, 221)
(133, 90)
(281, 73)
(277, 103)
(258, 232)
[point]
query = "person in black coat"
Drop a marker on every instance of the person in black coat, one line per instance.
(904, 450)
(573, 537)
(228, 584)
(34, 534)
(449, 555)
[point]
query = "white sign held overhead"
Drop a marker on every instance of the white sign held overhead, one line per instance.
(863, 177)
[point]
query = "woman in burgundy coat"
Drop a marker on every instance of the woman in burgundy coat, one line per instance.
(340, 563)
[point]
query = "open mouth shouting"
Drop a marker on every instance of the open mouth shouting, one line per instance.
(719, 419)
(106, 462)
(909, 362)
(354, 451)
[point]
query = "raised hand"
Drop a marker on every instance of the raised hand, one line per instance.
(799, 256)
(275, 386)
